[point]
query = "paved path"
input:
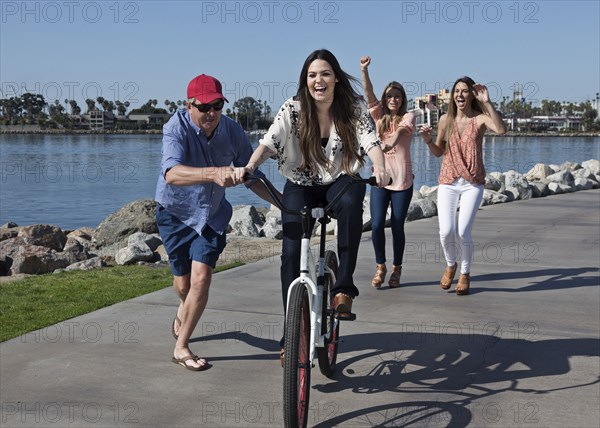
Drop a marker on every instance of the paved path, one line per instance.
(522, 350)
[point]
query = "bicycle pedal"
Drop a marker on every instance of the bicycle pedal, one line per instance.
(345, 317)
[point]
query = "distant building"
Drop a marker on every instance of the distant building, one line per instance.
(151, 119)
(425, 110)
(99, 120)
(555, 123)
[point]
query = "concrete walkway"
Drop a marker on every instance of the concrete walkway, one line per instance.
(522, 350)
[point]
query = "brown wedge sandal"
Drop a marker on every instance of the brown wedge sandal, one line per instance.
(394, 281)
(379, 276)
(448, 277)
(464, 282)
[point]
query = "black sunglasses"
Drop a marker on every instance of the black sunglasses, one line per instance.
(205, 108)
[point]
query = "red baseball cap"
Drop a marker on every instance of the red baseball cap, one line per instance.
(205, 89)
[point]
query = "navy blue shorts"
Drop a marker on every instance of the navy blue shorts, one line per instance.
(184, 244)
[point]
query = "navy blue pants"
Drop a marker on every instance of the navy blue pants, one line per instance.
(400, 201)
(348, 211)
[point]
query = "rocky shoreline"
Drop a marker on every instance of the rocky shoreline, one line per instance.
(130, 235)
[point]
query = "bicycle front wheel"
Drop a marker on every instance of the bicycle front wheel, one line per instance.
(328, 353)
(296, 367)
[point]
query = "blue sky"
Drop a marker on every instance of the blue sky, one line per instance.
(137, 50)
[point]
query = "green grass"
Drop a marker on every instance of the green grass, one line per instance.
(39, 301)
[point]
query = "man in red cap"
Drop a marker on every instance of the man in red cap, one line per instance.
(203, 152)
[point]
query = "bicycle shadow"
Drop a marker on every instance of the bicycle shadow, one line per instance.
(554, 279)
(460, 368)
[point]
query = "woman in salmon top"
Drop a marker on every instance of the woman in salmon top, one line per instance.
(395, 128)
(462, 175)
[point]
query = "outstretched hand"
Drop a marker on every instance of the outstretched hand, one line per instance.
(481, 93)
(425, 132)
(365, 61)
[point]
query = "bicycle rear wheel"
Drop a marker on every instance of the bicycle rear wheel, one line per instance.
(296, 367)
(330, 324)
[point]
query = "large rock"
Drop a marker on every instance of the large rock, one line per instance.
(421, 208)
(137, 216)
(516, 184)
(245, 221)
(593, 165)
(491, 197)
(89, 264)
(559, 188)
(74, 251)
(539, 172)
(8, 233)
(494, 181)
(583, 183)
(563, 177)
(539, 189)
(428, 192)
(136, 252)
(34, 259)
(570, 166)
(43, 235)
(153, 240)
(272, 227)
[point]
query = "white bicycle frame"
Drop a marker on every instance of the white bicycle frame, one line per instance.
(309, 272)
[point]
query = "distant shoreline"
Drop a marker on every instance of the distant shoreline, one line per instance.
(3, 130)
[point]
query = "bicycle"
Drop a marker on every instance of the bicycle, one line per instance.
(311, 325)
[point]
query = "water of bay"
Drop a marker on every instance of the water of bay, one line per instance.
(77, 180)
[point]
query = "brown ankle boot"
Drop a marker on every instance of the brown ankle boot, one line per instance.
(379, 276)
(395, 277)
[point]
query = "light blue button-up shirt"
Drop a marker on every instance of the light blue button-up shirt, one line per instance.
(184, 144)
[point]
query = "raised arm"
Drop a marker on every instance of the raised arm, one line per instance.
(365, 61)
(491, 118)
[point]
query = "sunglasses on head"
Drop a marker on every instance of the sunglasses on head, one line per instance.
(205, 108)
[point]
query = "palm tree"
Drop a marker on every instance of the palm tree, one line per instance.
(91, 105)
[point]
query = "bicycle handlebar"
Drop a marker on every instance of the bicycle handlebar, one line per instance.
(273, 192)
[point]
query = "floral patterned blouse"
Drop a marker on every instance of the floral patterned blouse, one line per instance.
(283, 138)
(464, 156)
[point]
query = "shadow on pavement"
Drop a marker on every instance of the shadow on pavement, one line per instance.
(462, 368)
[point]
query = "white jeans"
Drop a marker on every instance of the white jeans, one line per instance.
(455, 227)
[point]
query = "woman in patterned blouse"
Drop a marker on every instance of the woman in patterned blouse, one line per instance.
(319, 139)
(462, 175)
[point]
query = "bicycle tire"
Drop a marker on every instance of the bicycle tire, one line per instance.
(327, 355)
(297, 364)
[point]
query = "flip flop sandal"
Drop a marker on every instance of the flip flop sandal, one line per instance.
(183, 363)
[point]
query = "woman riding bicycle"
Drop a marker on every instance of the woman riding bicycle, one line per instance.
(319, 138)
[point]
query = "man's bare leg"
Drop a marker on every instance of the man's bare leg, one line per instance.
(193, 293)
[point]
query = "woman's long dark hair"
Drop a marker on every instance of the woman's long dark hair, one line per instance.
(344, 110)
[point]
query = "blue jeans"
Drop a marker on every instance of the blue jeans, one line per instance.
(348, 211)
(380, 200)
